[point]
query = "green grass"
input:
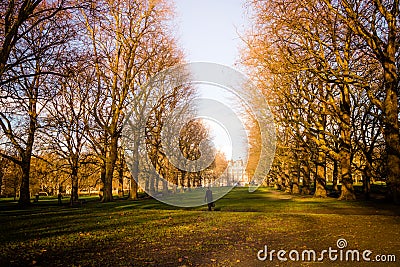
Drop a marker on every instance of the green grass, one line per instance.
(151, 233)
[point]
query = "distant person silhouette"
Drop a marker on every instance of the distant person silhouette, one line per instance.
(59, 196)
(209, 198)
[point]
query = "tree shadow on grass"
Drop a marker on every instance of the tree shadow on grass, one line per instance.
(151, 233)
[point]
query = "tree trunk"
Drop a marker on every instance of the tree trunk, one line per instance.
(278, 183)
(157, 183)
(183, 175)
(391, 135)
(135, 172)
(305, 189)
(24, 194)
(1, 178)
(286, 180)
(26, 157)
(165, 187)
(188, 183)
(152, 178)
(103, 179)
(320, 179)
(367, 181)
(295, 173)
(121, 176)
(295, 188)
(110, 166)
(107, 190)
(74, 191)
(347, 190)
(335, 176)
(147, 184)
(134, 190)
(120, 185)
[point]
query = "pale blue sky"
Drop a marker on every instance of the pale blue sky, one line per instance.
(207, 29)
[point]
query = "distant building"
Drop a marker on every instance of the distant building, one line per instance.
(235, 173)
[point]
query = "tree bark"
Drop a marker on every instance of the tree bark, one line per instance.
(1, 179)
(134, 190)
(295, 173)
(347, 190)
(183, 175)
(26, 157)
(152, 185)
(165, 187)
(391, 127)
(75, 186)
(320, 179)
(121, 181)
(103, 179)
(188, 184)
(24, 193)
(110, 166)
(335, 176)
(135, 170)
(305, 189)
(367, 181)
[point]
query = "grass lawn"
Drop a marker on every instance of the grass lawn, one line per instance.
(150, 233)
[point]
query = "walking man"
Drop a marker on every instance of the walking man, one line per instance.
(209, 198)
(59, 196)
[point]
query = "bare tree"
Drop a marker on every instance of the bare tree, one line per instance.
(27, 81)
(377, 24)
(14, 15)
(67, 114)
(127, 38)
(313, 58)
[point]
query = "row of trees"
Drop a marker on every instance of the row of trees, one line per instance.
(330, 70)
(51, 174)
(71, 74)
